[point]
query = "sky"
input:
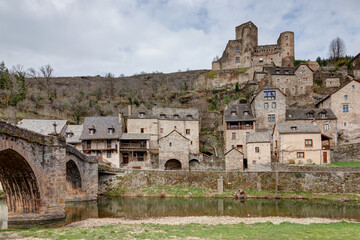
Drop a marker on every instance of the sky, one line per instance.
(89, 37)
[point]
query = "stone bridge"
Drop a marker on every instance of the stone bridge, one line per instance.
(39, 173)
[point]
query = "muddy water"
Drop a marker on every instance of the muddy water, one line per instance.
(137, 208)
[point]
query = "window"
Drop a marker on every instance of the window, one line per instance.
(108, 154)
(91, 131)
(294, 128)
(266, 105)
(275, 143)
(141, 114)
(140, 156)
(274, 105)
(233, 135)
(161, 130)
(305, 79)
(308, 142)
(344, 124)
(88, 144)
(311, 115)
(232, 146)
(246, 113)
(69, 135)
(257, 149)
(261, 59)
(300, 154)
(237, 60)
(345, 108)
(323, 115)
(233, 113)
(271, 117)
(286, 37)
(176, 116)
(162, 116)
(254, 162)
(326, 126)
(142, 130)
(108, 143)
(187, 131)
(111, 130)
(237, 50)
(189, 117)
(346, 97)
(269, 95)
(353, 86)
(190, 142)
(170, 144)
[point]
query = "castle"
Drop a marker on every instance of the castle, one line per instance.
(244, 51)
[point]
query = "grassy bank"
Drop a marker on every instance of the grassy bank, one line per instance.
(188, 191)
(340, 230)
(344, 164)
(1, 194)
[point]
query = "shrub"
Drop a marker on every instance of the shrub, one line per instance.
(211, 74)
(317, 81)
(237, 88)
(226, 99)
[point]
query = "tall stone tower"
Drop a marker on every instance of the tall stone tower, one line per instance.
(286, 44)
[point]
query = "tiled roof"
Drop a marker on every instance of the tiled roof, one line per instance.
(258, 137)
(44, 127)
(303, 114)
(76, 131)
(101, 126)
(135, 136)
(235, 113)
(297, 128)
(166, 113)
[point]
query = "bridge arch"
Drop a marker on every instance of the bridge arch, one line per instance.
(194, 164)
(20, 181)
(73, 177)
(173, 164)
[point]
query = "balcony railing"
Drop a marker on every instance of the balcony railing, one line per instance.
(132, 146)
(101, 147)
(239, 127)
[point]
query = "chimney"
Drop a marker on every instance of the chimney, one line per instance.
(120, 118)
(54, 124)
(129, 109)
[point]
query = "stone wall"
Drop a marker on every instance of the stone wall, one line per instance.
(307, 179)
(346, 152)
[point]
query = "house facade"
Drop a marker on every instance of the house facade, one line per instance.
(259, 150)
(344, 103)
(72, 135)
(234, 160)
(238, 122)
(269, 107)
(100, 137)
(324, 118)
(300, 143)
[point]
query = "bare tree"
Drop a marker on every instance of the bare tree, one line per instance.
(337, 48)
(47, 73)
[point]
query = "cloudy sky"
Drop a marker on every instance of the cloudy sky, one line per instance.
(89, 37)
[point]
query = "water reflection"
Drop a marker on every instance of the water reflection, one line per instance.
(137, 208)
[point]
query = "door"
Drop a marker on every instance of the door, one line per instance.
(325, 157)
(125, 158)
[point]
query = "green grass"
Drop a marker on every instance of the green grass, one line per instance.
(175, 191)
(341, 230)
(344, 164)
(1, 193)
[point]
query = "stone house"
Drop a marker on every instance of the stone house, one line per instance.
(72, 135)
(158, 123)
(44, 127)
(330, 79)
(244, 51)
(100, 137)
(355, 66)
(344, 103)
(300, 143)
(268, 106)
(234, 160)
(324, 118)
(293, 81)
(238, 122)
(258, 150)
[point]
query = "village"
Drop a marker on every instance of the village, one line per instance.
(257, 134)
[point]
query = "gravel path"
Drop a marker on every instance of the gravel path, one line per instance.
(92, 222)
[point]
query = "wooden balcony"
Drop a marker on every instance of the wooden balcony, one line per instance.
(133, 146)
(239, 127)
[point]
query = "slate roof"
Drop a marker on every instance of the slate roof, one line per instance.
(135, 136)
(233, 149)
(300, 128)
(280, 70)
(258, 137)
(170, 113)
(101, 125)
(44, 127)
(76, 130)
(239, 109)
(174, 131)
(302, 114)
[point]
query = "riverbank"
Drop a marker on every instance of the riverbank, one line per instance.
(2, 196)
(240, 230)
(193, 192)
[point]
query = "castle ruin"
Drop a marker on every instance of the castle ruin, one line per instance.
(244, 51)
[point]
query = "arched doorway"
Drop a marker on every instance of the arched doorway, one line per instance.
(173, 164)
(19, 183)
(73, 178)
(194, 164)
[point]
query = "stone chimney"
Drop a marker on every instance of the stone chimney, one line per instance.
(129, 109)
(54, 124)
(120, 116)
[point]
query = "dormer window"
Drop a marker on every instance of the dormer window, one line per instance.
(323, 115)
(141, 114)
(311, 115)
(92, 131)
(162, 116)
(69, 134)
(294, 128)
(189, 117)
(246, 113)
(111, 130)
(286, 71)
(277, 71)
(233, 113)
(176, 116)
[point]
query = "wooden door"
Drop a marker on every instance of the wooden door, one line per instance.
(325, 157)
(125, 158)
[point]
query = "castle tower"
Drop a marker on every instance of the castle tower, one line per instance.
(286, 44)
(247, 36)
